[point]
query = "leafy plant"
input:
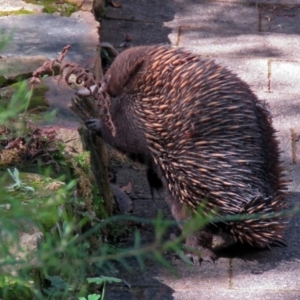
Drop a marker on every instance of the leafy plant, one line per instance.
(91, 297)
(58, 286)
(4, 39)
(102, 281)
(18, 184)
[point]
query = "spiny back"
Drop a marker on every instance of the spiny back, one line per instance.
(204, 127)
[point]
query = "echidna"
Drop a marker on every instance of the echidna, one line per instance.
(204, 136)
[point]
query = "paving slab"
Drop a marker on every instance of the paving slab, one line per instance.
(263, 45)
(285, 109)
(45, 34)
(161, 293)
(143, 11)
(188, 278)
(150, 33)
(254, 71)
(244, 31)
(282, 46)
(279, 279)
(238, 18)
(12, 68)
(59, 98)
(285, 76)
(280, 19)
(249, 294)
(200, 40)
(272, 3)
(48, 34)
(14, 5)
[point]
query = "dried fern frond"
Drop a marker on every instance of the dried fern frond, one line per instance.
(92, 100)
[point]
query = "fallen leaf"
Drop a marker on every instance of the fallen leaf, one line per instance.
(127, 188)
(115, 4)
(123, 45)
(128, 37)
(127, 283)
(123, 201)
(268, 18)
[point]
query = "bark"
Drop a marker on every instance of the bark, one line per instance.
(85, 109)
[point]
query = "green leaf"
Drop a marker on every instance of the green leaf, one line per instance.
(57, 281)
(28, 188)
(102, 279)
(17, 174)
(137, 239)
(93, 297)
(5, 39)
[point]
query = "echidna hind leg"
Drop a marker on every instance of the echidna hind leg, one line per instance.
(199, 244)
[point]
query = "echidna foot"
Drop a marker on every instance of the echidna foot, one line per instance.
(198, 247)
(201, 254)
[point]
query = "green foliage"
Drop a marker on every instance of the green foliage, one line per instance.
(58, 287)
(103, 280)
(83, 161)
(17, 104)
(4, 39)
(103, 13)
(51, 6)
(18, 184)
(15, 12)
(15, 288)
(91, 297)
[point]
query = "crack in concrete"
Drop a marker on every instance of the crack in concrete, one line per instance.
(259, 20)
(230, 274)
(178, 36)
(131, 20)
(269, 74)
(294, 139)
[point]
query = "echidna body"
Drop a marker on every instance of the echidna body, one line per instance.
(203, 134)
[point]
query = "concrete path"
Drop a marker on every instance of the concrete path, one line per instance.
(259, 40)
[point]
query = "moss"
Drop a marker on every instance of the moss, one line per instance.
(99, 206)
(51, 6)
(86, 186)
(2, 79)
(12, 289)
(15, 12)
(38, 97)
(43, 203)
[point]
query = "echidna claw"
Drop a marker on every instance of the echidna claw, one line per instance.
(195, 259)
(93, 124)
(87, 91)
(208, 257)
